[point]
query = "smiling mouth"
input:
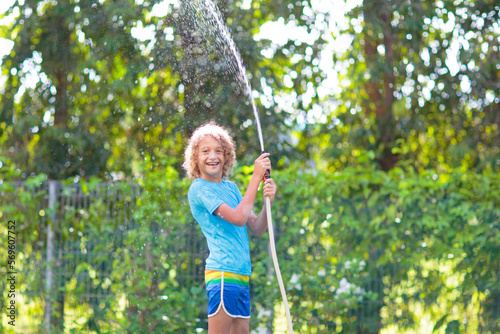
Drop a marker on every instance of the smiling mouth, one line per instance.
(213, 164)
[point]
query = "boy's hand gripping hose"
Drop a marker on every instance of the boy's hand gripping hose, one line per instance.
(275, 257)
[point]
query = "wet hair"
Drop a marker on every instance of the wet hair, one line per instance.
(216, 131)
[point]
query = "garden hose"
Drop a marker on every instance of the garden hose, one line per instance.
(275, 257)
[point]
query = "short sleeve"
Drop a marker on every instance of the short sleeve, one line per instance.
(238, 193)
(209, 199)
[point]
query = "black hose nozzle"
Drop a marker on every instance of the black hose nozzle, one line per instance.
(267, 174)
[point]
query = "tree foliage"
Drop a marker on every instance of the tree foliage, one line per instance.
(421, 86)
(85, 96)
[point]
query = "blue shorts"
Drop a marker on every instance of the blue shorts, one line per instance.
(229, 292)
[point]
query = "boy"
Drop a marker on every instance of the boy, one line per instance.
(222, 213)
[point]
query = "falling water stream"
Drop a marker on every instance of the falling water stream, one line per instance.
(225, 44)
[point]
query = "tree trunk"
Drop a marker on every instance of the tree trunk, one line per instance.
(381, 95)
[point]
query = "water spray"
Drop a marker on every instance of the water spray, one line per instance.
(216, 18)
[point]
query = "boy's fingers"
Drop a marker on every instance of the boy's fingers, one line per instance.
(263, 155)
(269, 181)
(269, 186)
(266, 161)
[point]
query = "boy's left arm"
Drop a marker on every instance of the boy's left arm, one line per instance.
(258, 224)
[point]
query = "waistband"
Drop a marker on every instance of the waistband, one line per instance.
(215, 277)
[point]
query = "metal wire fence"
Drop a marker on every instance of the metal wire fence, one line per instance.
(67, 265)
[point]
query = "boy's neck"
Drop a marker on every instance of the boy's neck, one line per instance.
(211, 179)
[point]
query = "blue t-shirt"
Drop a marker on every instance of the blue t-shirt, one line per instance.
(228, 243)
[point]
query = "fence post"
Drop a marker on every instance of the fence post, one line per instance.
(50, 254)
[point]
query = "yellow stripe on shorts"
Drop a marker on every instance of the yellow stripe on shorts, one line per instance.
(214, 277)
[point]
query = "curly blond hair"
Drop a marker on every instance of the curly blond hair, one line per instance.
(216, 131)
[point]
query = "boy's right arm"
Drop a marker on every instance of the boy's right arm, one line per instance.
(239, 216)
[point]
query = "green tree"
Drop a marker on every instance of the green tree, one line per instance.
(421, 86)
(57, 118)
(417, 92)
(84, 97)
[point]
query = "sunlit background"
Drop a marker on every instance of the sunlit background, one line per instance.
(382, 120)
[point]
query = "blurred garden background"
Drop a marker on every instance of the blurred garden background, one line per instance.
(382, 119)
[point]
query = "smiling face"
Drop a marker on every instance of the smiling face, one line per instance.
(211, 159)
